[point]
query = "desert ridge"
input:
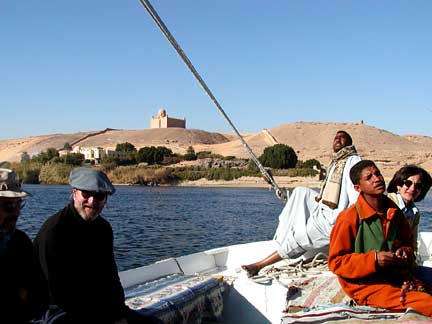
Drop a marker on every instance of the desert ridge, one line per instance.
(310, 140)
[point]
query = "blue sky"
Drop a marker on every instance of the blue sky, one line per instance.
(69, 66)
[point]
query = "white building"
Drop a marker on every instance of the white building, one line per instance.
(97, 153)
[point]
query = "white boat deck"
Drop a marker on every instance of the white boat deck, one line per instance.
(244, 301)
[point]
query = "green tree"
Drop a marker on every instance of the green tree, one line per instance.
(73, 159)
(164, 151)
(190, 154)
(67, 146)
(279, 156)
(125, 147)
(45, 156)
(152, 155)
(25, 157)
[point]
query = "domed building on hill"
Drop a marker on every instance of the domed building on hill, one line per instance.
(161, 120)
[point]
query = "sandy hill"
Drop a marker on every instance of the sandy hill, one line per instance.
(10, 150)
(309, 140)
(314, 140)
(177, 139)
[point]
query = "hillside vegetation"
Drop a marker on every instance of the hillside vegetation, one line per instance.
(310, 140)
(153, 166)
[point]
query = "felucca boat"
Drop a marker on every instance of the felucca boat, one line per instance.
(210, 287)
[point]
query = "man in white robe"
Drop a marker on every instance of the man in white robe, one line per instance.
(308, 217)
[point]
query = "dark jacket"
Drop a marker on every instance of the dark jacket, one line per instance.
(77, 259)
(23, 290)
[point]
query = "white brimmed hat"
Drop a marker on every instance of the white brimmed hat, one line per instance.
(10, 186)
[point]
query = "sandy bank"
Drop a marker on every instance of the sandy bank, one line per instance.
(255, 182)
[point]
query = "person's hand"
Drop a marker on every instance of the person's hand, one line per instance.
(388, 259)
(403, 253)
(121, 321)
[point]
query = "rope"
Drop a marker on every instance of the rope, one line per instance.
(280, 193)
(295, 270)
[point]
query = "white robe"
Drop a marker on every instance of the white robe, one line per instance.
(305, 224)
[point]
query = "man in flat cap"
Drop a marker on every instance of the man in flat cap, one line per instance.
(75, 249)
(23, 291)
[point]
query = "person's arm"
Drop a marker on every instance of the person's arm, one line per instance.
(32, 289)
(415, 231)
(407, 236)
(49, 249)
(342, 260)
(117, 297)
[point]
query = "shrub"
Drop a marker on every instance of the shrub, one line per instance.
(204, 154)
(308, 164)
(25, 157)
(152, 155)
(55, 173)
(67, 146)
(125, 147)
(28, 171)
(141, 175)
(302, 172)
(190, 154)
(175, 158)
(279, 156)
(73, 159)
(208, 154)
(46, 156)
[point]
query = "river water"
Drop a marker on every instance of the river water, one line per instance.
(154, 223)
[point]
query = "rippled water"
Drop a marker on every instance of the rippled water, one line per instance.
(154, 223)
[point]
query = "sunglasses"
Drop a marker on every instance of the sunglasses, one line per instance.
(99, 196)
(11, 206)
(409, 183)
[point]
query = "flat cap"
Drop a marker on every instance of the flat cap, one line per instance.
(90, 180)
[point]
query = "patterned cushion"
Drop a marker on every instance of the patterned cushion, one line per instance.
(179, 298)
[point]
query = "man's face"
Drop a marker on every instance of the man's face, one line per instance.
(340, 141)
(89, 204)
(9, 213)
(371, 182)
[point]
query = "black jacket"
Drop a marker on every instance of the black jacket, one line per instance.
(23, 290)
(77, 259)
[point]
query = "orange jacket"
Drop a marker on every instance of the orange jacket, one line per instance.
(358, 273)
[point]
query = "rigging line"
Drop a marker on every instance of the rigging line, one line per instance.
(281, 193)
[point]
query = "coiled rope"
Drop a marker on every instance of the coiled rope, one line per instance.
(295, 270)
(280, 192)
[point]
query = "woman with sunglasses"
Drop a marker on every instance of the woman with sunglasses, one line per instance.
(409, 185)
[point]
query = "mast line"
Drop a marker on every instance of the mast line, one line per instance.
(280, 193)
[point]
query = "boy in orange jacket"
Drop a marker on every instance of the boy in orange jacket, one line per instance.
(371, 248)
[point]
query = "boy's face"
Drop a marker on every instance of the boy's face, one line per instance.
(371, 182)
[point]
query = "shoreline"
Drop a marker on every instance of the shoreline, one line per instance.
(242, 182)
(249, 182)
(255, 182)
